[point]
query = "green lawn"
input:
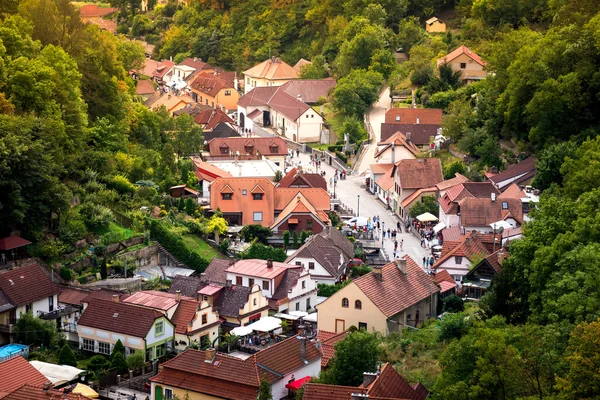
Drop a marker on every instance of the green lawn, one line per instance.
(335, 120)
(200, 247)
(83, 364)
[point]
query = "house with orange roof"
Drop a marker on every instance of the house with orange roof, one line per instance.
(413, 116)
(215, 90)
(300, 215)
(208, 374)
(457, 257)
(271, 72)
(206, 173)
(409, 176)
(16, 372)
(482, 214)
(448, 201)
(384, 384)
(389, 298)
(395, 148)
(208, 119)
(288, 287)
(297, 178)
(92, 14)
(274, 149)
(445, 281)
(162, 69)
(145, 88)
(169, 101)
(376, 171)
(467, 62)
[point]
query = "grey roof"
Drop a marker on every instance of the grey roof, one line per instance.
(231, 300)
(289, 280)
(222, 130)
(188, 285)
(5, 303)
(215, 272)
(419, 133)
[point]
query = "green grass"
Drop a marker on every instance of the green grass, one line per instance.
(319, 146)
(200, 247)
(446, 157)
(335, 121)
(83, 364)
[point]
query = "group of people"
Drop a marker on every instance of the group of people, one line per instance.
(428, 262)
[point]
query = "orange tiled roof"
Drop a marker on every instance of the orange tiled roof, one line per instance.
(391, 385)
(468, 246)
(211, 84)
(419, 173)
(300, 205)
(459, 51)
(16, 372)
(318, 197)
(377, 169)
(398, 139)
(387, 180)
(426, 116)
(397, 291)
(29, 392)
(328, 342)
(448, 183)
(273, 68)
(484, 211)
(211, 118)
(266, 146)
(296, 177)
(185, 313)
(92, 10)
(513, 192)
(408, 201)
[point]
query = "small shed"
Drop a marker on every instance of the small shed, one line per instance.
(182, 191)
(435, 25)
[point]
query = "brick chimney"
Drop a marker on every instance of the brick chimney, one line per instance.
(115, 298)
(228, 283)
(377, 272)
(210, 353)
(303, 341)
(401, 265)
(368, 378)
(178, 293)
(269, 263)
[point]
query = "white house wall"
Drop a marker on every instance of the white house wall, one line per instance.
(168, 331)
(320, 272)
(278, 389)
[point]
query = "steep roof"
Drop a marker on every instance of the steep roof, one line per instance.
(298, 178)
(16, 371)
(288, 105)
(187, 285)
(273, 68)
(211, 118)
(71, 295)
(431, 191)
(377, 169)
(449, 201)
(448, 183)
(322, 251)
(5, 303)
(445, 280)
(231, 300)
(216, 272)
(396, 291)
(309, 90)
(328, 342)
(416, 116)
(419, 134)
(144, 86)
(387, 180)
(207, 171)
(154, 299)
(318, 197)
(468, 246)
(13, 242)
(119, 317)
(162, 68)
(184, 314)
(27, 284)
(30, 392)
(398, 139)
(513, 191)
(301, 63)
(419, 173)
(390, 384)
(259, 268)
(221, 130)
(211, 84)
(285, 357)
(259, 96)
(460, 51)
(92, 10)
(484, 211)
(525, 167)
(300, 205)
(266, 146)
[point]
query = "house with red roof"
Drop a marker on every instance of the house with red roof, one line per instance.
(206, 173)
(483, 214)
(25, 289)
(16, 372)
(521, 174)
(248, 148)
(104, 322)
(458, 256)
(211, 375)
(385, 300)
(467, 62)
(452, 195)
(395, 148)
(297, 178)
(414, 176)
(216, 90)
(477, 281)
(445, 281)
(384, 384)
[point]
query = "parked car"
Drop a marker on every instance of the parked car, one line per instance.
(355, 262)
(359, 222)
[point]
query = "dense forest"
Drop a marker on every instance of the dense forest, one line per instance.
(76, 145)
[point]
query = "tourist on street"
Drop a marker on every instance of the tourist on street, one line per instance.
(401, 244)
(425, 262)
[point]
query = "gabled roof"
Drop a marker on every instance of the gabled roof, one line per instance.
(449, 201)
(13, 242)
(301, 63)
(452, 234)
(419, 134)
(396, 291)
(468, 246)
(318, 197)
(483, 212)
(266, 146)
(445, 280)
(185, 313)
(124, 318)
(154, 299)
(162, 68)
(328, 342)
(15, 372)
(144, 86)
(513, 192)
(415, 195)
(207, 171)
(72, 295)
(209, 119)
(287, 283)
(258, 268)
(387, 180)
(30, 392)
(525, 168)
(297, 178)
(288, 105)
(27, 284)
(300, 205)
(460, 51)
(273, 68)
(432, 20)
(285, 357)
(448, 183)
(5, 303)
(231, 300)
(187, 285)
(416, 116)
(309, 90)
(377, 169)
(398, 139)
(259, 96)
(211, 84)
(419, 173)
(216, 272)
(319, 391)
(322, 251)
(221, 130)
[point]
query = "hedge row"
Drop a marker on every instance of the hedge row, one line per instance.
(174, 245)
(342, 156)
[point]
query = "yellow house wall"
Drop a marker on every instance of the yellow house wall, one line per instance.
(473, 69)
(436, 27)
(229, 102)
(197, 325)
(250, 82)
(180, 393)
(331, 309)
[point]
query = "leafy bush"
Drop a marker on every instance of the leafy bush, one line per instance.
(121, 184)
(250, 232)
(360, 271)
(174, 245)
(118, 363)
(335, 147)
(342, 157)
(66, 274)
(224, 246)
(262, 252)
(66, 356)
(98, 363)
(83, 280)
(453, 326)
(31, 330)
(326, 290)
(136, 360)
(96, 216)
(286, 239)
(49, 248)
(303, 236)
(454, 303)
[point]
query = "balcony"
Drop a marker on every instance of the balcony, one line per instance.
(61, 311)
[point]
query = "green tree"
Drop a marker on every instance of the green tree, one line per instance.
(31, 330)
(453, 304)
(303, 236)
(455, 167)
(189, 207)
(66, 356)
(264, 389)
(278, 176)
(286, 239)
(254, 231)
(217, 226)
(357, 353)
(181, 204)
(410, 33)
(118, 363)
(295, 239)
(318, 69)
(427, 204)
(118, 348)
(187, 136)
(262, 252)
(548, 164)
(453, 326)
(355, 92)
(98, 364)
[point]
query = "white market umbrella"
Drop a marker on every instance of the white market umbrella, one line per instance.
(427, 217)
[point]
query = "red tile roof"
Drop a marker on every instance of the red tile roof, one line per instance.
(459, 51)
(72, 296)
(211, 84)
(391, 385)
(273, 68)
(419, 173)
(300, 205)
(377, 169)
(387, 180)
(288, 105)
(244, 203)
(29, 392)
(185, 313)
(426, 116)
(448, 183)
(119, 317)
(318, 391)
(419, 134)
(397, 291)
(258, 268)
(92, 10)
(415, 195)
(483, 212)
(454, 194)
(452, 234)
(162, 68)
(285, 357)
(211, 118)
(144, 86)
(266, 146)
(309, 90)
(468, 246)
(513, 192)
(297, 178)
(328, 342)
(13, 242)
(16, 372)
(154, 299)
(445, 280)
(27, 284)
(318, 197)
(258, 96)
(398, 139)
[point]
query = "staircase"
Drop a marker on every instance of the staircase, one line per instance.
(172, 260)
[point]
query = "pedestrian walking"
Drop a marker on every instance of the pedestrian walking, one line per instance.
(401, 244)
(378, 224)
(424, 262)
(431, 261)
(389, 232)
(395, 245)
(394, 254)
(398, 225)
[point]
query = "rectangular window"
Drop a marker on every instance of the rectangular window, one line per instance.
(265, 285)
(87, 345)
(250, 282)
(303, 284)
(224, 150)
(298, 306)
(226, 196)
(458, 260)
(311, 265)
(212, 104)
(309, 224)
(254, 302)
(159, 328)
(168, 394)
(248, 81)
(505, 205)
(274, 149)
(463, 65)
(244, 192)
(228, 93)
(161, 350)
(51, 303)
(103, 348)
(28, 307)
(299, 263)
(204, 319)
(238, 280)
(258, 216)
(257, 196)
(362, 325)
(308, 304)
(205, 298)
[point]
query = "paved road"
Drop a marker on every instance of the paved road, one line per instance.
(376, 117)
(348, 190)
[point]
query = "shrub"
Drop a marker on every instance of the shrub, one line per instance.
(121, 184)
(295, 239)
(303, 236)
(117, 348)
(98, 363)
(66, 356)
(174, 245)
(453, 303)
(342, 156)
(83, 280)
(286, 239)
(96, 216)
(66, 274)
(136, 360)
(326, 290)
(453, 326)
(118, 364)
(250, 232)
(224, 246)
(360, 271)
(262, 252)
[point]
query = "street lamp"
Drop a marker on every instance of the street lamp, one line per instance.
(358, 205)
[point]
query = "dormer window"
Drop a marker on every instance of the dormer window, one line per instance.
(397, 118)
(224, 150)
(257, 196)
(274, 149)
(249, 149)
(226, 196)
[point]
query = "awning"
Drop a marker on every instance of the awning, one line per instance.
(12, 242)
(241, 331)
(299, 314)
(311, 317)
(501, 224)
(85, 391)
(439, 227)
(286, 316)
(427, 217)
(266, 324)
(57, 374)
(293, 221)
(297, 384)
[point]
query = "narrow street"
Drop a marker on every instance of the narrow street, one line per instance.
(376, 118)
